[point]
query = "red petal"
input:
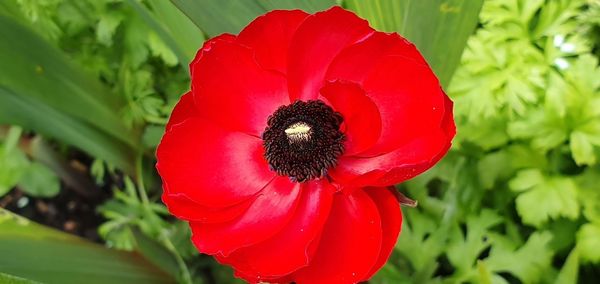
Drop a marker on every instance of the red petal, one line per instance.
(231, 89)
(361, 116)
(183, 110)
(212, 166)
(355, 62)
(271, 211)
(409, 107)
(448, 122)
(391, 223)
(350, 243)
(392, 168)
(207, 46)
(316, 42)
(185, 208)
(402, 86)
(269, 36)
(401, 164)
(290, 247)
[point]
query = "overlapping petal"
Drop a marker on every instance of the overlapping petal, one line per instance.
(350, 244)
(198, 158)
(398, 81)
(183, 110)
(315, 44)
(269, 36)
(269, 213)
(231, 89)
(362, 121)
(407, 161)
(409, 99)
(187, 209)
(355, 62)
(207, 46)
(294, 246)
(391, 223)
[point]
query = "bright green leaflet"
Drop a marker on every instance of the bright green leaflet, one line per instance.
(178, 32)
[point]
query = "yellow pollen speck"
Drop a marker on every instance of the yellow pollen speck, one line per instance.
(298, 128)
(298, 131)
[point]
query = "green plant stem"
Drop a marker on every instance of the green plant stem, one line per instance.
(185, 273)
(140, 182)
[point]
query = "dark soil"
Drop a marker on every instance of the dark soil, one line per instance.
(73, 210)
(67, 211)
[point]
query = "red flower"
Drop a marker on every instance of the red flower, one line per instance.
(284, 154)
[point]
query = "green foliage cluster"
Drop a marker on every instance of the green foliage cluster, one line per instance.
(33, 177)
(118, 43)
(517, 198)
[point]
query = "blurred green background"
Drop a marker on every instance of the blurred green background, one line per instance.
(86, 87)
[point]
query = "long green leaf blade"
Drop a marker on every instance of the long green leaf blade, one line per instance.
(41, 254)
(9, 279)
(33, 114)
(215, 17)
(307, 6)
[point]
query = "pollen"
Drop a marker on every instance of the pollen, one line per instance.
(298, 131)
(303, 140)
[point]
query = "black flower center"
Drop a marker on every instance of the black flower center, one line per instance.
(302, 140)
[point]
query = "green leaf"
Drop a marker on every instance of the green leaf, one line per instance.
(156, 253)
(215, 17)
(389, 274)
(487, 133)
(152, 135)
(175, 31)
(569, 272)
(492, 167)
(588, 242)
(589, 194)
(544, 198)
(464, 250)
(14, 162)
(582, 149)
(546, 130)
(528, 263)
(49, 256)
(9, 279)
(421, 243)
(439, 28)
(526, 179)
(33, 114)
(39, 181)
(307, 6)
(159, 49)
(107, 25)
(42, 90)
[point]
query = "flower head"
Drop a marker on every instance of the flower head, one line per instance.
(283, 155)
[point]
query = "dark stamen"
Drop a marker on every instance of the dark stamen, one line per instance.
(302, 140)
